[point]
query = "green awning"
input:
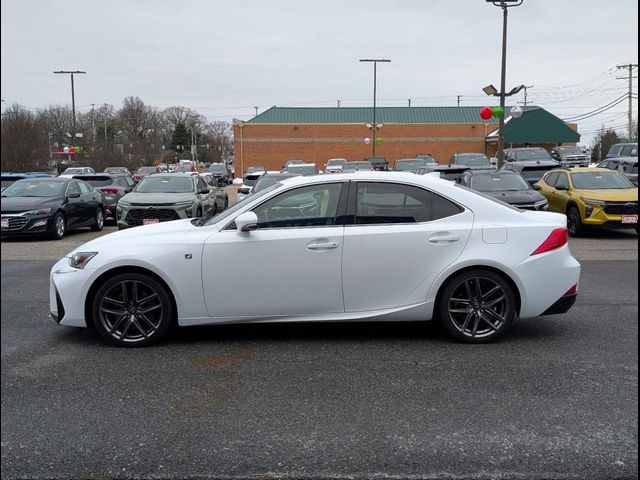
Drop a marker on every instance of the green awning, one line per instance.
(537, 126)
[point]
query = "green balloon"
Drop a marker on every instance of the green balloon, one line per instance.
(378, 140)
(497, 112)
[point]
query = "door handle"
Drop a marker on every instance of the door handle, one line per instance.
(323, 246)
(444, 238)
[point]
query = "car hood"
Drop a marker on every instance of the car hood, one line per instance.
(157, 198)
(611, 195)
(520, 196)
(19, 204)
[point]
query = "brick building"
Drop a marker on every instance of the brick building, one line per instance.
(318, 134)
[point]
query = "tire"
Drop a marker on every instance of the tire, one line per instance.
(199, 212)
(477, 306)
(574, 222)
(59, 226)
(132, 310)
(99, 221)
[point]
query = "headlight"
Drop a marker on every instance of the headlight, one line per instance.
(80, 259)
(541, 205)
(39, 211)
(184, 204)
(592, 202)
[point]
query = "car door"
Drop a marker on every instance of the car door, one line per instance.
(397, 239)
(561, 193)
(89, 202)
(73, 204)
(289, 266)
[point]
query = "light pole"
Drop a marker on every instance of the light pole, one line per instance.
(374, 125)
(73, 99)
(240, 126)
(505, 5)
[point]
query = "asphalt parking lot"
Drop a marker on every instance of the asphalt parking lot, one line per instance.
(556, 398)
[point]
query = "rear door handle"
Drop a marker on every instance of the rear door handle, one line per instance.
(444, 238)
(323, 246)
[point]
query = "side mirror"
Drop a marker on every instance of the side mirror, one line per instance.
(204, 190)
(247, 222)
(74, 195)
(536, 187)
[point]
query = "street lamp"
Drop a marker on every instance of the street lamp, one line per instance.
(374, 125)
(73, 98)
(505, 5)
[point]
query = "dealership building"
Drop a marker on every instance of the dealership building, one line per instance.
(316, 134)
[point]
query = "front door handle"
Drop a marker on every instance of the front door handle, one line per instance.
(444, 238)
(323, 246)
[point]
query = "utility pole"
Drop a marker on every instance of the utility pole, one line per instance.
(630, 77)
(106, 106)
(73, 100)
(459, 96)
(374, 125)
(256, 111)
(93, 125)
(525, 93)
(338, 103)
(409, 102)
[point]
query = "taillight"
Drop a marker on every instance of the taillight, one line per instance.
(572, 291)
(109, 190)
(558, 238)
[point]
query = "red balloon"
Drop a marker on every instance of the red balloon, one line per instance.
(72, 149)
(486, 113)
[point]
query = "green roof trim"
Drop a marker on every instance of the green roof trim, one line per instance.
(539, 126)
(359, 115)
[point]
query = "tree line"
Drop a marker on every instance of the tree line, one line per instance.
(132, 136)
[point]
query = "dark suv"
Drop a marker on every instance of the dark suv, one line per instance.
(623, 150)
(220, 171)
(378, 163)
(527, 153)
(114, 186)
(531, 170)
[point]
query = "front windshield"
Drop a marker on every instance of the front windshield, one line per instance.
(496, 183)
(534, 174)
(147, 170)
(73, 171)
(25, 188)
(233, 210)
(404, 165)
(534, 154)
(218, 168)
(336, 161)
(569, 151)
(165, 184)
(302, 169)
(472, 160)
(600, 181)
(264, 182)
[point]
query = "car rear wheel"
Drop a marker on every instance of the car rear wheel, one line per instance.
(59, 226)
(477, 306)
(132, 310)
(574, 222)
(99, 221)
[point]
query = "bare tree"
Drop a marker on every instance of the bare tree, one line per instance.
(23, 144)
(602, 142)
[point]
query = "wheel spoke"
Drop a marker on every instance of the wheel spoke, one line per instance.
(478, 288)
(460, 300)
(488, 322)
(117, 323)
(113, 312)
(490, 292)
(467, 286)
(475, 325)
(134, 292)
(493, 302)
(146, 299)
(134, 320)
(460, 310)
(466, 321)
(150, 309)
(112, 300)
(493, 314)
(125, 294)
(126, 329)
(142, 316)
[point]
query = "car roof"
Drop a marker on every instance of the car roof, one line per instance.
(584, 169)
(49, 179)
(535, 163)
(490, 172)
(621, 159)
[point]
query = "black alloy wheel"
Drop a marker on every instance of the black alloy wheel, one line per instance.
(477, 306)
(59, 226)
(574, 222)
(99, 220)
(132, 310)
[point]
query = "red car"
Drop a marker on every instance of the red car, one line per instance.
(144, 171)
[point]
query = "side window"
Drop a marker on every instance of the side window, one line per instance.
(551, 179)
(73, 189)
(443, 208)
(129, 181)
(202, 184)
(378, 203)
(563, 181)
(626, 150)
(84, 187)
(122, 181)
(310, 206)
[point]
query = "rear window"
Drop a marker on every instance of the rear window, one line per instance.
(250, 180)
(98, 181)
(534, 173)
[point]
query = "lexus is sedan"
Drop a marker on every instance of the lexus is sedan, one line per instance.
(367, 246)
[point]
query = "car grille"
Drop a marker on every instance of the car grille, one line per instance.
(137, 215)
(525, 206)
(16, 223)
(621, 208)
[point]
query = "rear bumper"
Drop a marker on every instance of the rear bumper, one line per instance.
(562, 305)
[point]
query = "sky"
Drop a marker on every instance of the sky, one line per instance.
(224, 58)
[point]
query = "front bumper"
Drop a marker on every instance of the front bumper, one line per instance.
(610, 214)
(137, 215)
(20, 225)
(68, 288)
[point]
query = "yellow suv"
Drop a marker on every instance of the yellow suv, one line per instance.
(591, 197)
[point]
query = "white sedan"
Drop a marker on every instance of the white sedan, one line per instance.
(374, 246)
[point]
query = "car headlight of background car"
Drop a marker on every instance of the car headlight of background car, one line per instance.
(187, 206)
(590, 204)
(80, 259)
(541, 205)
(39, 211)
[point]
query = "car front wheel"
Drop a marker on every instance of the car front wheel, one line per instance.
(59, 226)
(477, 306)
(99, 221)
(132, 310)
(574, 222)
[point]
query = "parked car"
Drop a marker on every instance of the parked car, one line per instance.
(269, 179)
(7, 178)
(447, 172)
(334, 165)
(256, 169)
(144, 171)
(591, 197)
(359, 166)
(451, 254)
(114, 186)
(248, 181)
(627, 166)
(71, 171)
(303, 169)
(408, 164)
(288, 163)
(185, 168)
(427, 158)
(623, 150)
(506, 186)
(219, 194)
(527, 153)
(221, 172)
(531, 170)
(570, 156)
(50, 206)
(475, 161)
(161, 197)
(379, 164)
(118, 170)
